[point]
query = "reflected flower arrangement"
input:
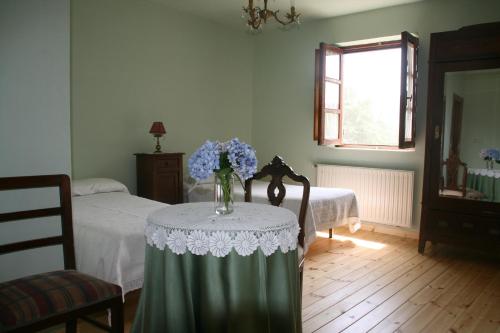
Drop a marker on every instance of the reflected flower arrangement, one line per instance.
(490, 155)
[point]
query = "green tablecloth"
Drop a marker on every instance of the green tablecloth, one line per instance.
(191, 293)
(488, 185)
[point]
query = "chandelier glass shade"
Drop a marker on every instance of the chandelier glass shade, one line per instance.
(256, 16)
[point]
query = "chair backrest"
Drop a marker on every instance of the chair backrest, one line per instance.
(64, 210)
(452, 168)
(277, 169)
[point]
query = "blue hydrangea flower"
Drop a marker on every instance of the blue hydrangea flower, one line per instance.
(494, 154)
(490, 154)
(242, 158)
(205, 160)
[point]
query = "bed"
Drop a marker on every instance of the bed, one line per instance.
(108, 227)
(328, 207)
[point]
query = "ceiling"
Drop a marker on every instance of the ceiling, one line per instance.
(229, 11)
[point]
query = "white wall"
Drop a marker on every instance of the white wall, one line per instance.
(34, 119)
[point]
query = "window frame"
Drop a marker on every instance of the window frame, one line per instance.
(407, 38)
(319, 88)
(319, 92)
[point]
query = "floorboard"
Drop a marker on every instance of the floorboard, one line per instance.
(372, 282)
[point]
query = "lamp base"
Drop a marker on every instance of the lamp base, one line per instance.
(158, 147)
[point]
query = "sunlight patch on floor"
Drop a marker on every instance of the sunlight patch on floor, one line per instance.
(358, 242)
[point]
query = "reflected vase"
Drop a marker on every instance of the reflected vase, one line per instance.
(223, 193)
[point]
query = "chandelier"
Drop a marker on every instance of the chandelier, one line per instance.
(256, 17)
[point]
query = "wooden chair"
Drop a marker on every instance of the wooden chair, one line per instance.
(449, 182)
(39, 301)
(277, 169)
(450, 186)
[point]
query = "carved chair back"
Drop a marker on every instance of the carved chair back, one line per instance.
(276, 190)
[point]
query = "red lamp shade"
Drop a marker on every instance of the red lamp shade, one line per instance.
(157, 129)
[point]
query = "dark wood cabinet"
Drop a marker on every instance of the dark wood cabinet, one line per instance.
(159, 177)
(464, 64)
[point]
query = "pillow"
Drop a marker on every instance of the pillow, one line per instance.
(96, 185)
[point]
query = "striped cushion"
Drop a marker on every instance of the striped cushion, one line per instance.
(36, 297)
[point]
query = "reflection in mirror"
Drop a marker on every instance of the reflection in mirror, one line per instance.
(470, 148)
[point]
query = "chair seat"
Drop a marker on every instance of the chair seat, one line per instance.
(474, 194)
(39, 296)
(451, 193)
(469, 194)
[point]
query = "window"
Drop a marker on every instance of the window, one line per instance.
(365, 94)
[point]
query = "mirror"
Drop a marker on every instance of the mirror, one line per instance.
(470, 147)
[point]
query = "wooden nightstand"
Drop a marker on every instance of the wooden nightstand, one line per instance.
(159, 177)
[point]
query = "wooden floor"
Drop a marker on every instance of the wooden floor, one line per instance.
(374, 282)
(379, 283)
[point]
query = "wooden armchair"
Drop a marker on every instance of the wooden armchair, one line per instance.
(449, 185)
(277, 169)
(39, 301)
(449, 182)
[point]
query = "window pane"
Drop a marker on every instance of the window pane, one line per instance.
(332, 93)
(410, 75)
(371, 104)
(409, 93)
(408, 125)
(332, 69)
(331, 126)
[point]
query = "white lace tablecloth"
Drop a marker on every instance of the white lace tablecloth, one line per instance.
(485, 172)
(195, 227)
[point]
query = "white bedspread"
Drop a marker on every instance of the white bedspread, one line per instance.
(328, 207)
(109, 236)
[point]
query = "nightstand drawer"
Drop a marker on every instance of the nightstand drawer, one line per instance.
(167, 165)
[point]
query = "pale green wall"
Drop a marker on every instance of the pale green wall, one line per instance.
(453, 86)
(135, 62)
(34, 120)
(481, 116)
(284, 80)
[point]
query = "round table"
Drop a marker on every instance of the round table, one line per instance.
(210, 273)
(485, 181)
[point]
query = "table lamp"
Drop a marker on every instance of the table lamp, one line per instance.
(157, 129)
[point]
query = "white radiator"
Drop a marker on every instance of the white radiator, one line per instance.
(384, 196)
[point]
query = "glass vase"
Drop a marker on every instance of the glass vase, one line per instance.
(223, 193)
(489, 164)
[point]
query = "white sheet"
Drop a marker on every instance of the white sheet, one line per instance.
(109, 236)
(328, 207)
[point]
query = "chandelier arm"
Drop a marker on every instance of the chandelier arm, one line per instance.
(291, 17)
(276, 17)
(254, 15)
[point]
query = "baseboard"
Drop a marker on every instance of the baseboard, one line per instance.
(395, 231)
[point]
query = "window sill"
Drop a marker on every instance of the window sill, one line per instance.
(374, 148)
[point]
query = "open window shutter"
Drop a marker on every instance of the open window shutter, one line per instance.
(328, 94)
(409, 50)
(317, 80)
